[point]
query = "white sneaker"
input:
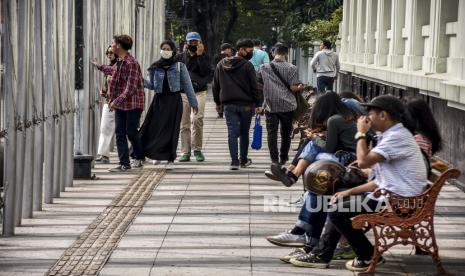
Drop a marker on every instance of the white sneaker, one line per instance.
(156, 162)
(137, 164)
(294, 254)
(169, 166)
(287, 239)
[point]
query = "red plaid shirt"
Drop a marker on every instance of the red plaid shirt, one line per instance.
(126, 87)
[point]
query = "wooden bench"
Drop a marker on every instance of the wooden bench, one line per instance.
(409, 220)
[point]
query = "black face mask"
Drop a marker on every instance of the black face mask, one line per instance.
(192, 48)
(249, 55)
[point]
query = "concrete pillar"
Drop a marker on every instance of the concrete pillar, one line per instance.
(352, 30)
(416, 15)
(383, 23)
(345, 31)
(360, 24)
(442, 11)
(458, 60)
(370, 30)
(396, 42)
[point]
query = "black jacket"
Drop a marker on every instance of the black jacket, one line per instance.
(235, 82)
(218, 58)
(199, 69)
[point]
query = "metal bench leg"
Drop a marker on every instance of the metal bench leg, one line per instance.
(435, 255)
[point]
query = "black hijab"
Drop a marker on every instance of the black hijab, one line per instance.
(163, 63)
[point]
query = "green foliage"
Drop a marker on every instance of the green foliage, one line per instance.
(321, 29)
(294, 22)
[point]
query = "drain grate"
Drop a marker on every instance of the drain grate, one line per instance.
(91, 250)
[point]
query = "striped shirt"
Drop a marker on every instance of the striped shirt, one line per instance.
(403, 170)
(277, 97)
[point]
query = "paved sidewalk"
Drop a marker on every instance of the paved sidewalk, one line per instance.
(203, 219)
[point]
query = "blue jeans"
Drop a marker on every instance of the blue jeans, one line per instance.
(238, 120)
(312, 218)
(312, 152)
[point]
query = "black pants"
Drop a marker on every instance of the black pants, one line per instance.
(126, 124)
(272, 125)
(324, 83)
(341, 223)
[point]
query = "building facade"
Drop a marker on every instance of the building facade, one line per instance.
(409, 48)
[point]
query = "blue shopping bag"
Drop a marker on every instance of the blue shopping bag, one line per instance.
(257, 134)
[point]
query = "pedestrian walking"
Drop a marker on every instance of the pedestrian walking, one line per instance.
(259, 56)
(235, 87)
(126, 99)
(167, 77)
(198, 65)
(107, 122)
(325, 64)
(226, 51)
(280, 80)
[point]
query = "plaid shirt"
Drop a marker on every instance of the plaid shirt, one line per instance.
(126, 87)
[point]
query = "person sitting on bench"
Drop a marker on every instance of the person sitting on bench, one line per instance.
(398, 166)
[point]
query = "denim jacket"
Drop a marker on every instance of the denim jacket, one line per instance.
(178, 79)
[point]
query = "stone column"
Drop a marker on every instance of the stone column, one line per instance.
(382, 25)
(442, 11)
(360, 38)
(352, 29)
(345, 30)
(458, 61)
(416, 15)
(370, 29)
(396, 42)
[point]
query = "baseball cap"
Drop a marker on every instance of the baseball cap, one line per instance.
(225, 46)
(388, 103)
(355, 106)
(193, 36)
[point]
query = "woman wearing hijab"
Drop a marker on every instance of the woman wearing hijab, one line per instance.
(160, 131)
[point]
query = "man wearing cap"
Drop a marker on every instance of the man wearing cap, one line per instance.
(226, 51)
(198, 65)
(398, 167)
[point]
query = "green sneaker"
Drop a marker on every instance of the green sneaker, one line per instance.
(199, 156)
(185, 158)
(344, 253)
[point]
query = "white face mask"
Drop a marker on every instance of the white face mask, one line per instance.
(166, 54)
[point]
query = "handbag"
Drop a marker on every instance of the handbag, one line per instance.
(257, 134)
(302, 104)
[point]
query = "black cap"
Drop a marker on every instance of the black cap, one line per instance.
(225, 46)
(388, 103)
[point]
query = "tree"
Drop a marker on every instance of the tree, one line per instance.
(319, 29)
(220, 21)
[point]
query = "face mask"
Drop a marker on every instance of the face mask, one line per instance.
(192, 48)
(166, 54)
(249, 55)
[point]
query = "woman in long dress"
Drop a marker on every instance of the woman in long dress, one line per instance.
(160, 131)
